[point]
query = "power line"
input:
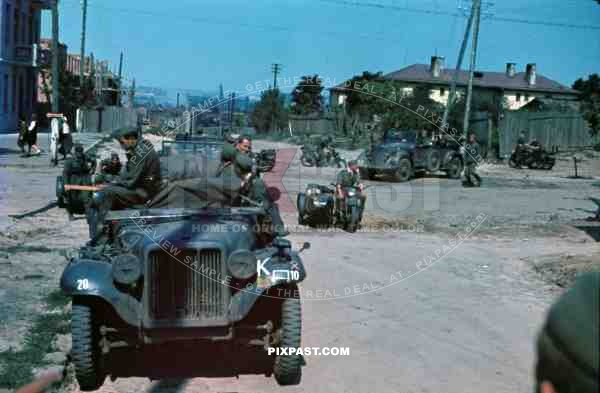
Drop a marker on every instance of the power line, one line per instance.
(449, 13)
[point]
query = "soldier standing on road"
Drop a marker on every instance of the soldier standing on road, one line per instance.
(32, 131)
(350, 177)
(138, 184)
(22, 141)
(471, 156)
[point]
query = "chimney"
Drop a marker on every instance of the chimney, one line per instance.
(530, 74)
(437, 64)
(511, 69)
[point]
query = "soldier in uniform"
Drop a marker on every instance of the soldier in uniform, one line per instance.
(111, 166)
(471, 157)
(350, 177)
(568, 359)
(78, 170)
(139, 183)
(240, 165)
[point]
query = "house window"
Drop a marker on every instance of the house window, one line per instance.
(7, 25)
(23, 94)
(442, 91)
(14, 94)
(16, 37)
(5, 93)
(518, 97)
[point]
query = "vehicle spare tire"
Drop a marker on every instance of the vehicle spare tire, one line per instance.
(403, 170)
(434, 161)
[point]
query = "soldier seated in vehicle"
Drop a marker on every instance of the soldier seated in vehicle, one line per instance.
(135, 186)
(239, 165)
(349, 177)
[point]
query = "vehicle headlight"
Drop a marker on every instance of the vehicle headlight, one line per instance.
(126, 269)
(351, 193)
(242, 264)
(313, 191)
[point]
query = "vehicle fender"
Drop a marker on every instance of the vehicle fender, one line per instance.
(243, 301)
(90, 278)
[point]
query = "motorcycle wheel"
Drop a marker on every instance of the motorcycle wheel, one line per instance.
(308, 162)
(513, 163)
(455, 168)
(301, 204)
(352, 223)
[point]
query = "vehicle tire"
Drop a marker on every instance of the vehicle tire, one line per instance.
(306, 161)
(60, 192)
(512, 162)
(287, 369)
(85, 351)
(301, 204)
(353, 219)
(533, 165)
(434, 161)
(403, 170)
(454, 168)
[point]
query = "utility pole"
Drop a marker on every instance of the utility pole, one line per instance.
(55, 58)
(56, 123)
(82, 53)
(232, 109)
(477, 5)
(275, 68)
(119, 80)
(461, 54)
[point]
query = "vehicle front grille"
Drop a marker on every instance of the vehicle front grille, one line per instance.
(183, 291)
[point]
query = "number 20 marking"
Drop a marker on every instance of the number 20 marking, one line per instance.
(83, 284)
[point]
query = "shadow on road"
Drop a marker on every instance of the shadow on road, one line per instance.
(5, 151)
(169, 385)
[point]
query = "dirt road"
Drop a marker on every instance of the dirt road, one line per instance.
(418, 313)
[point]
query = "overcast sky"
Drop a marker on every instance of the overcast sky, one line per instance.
(197, 44)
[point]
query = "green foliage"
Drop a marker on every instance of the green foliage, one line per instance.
(590, 101)
(414, 111)
(269, 113)
(306, 97)
(16, 366)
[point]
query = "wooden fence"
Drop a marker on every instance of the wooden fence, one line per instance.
(107, 120)
(554, 130)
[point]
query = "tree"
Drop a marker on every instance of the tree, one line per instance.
(589, 94)
(269, 113)
(414, 111)
(306, 97)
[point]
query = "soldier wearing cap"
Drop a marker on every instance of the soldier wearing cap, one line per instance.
(137, 184)
(240, 165)
(568, 345)
(350, 177)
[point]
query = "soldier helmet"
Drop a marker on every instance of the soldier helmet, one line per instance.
(567, 344)
(79, 148)
(126, 132)
(114, 156)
